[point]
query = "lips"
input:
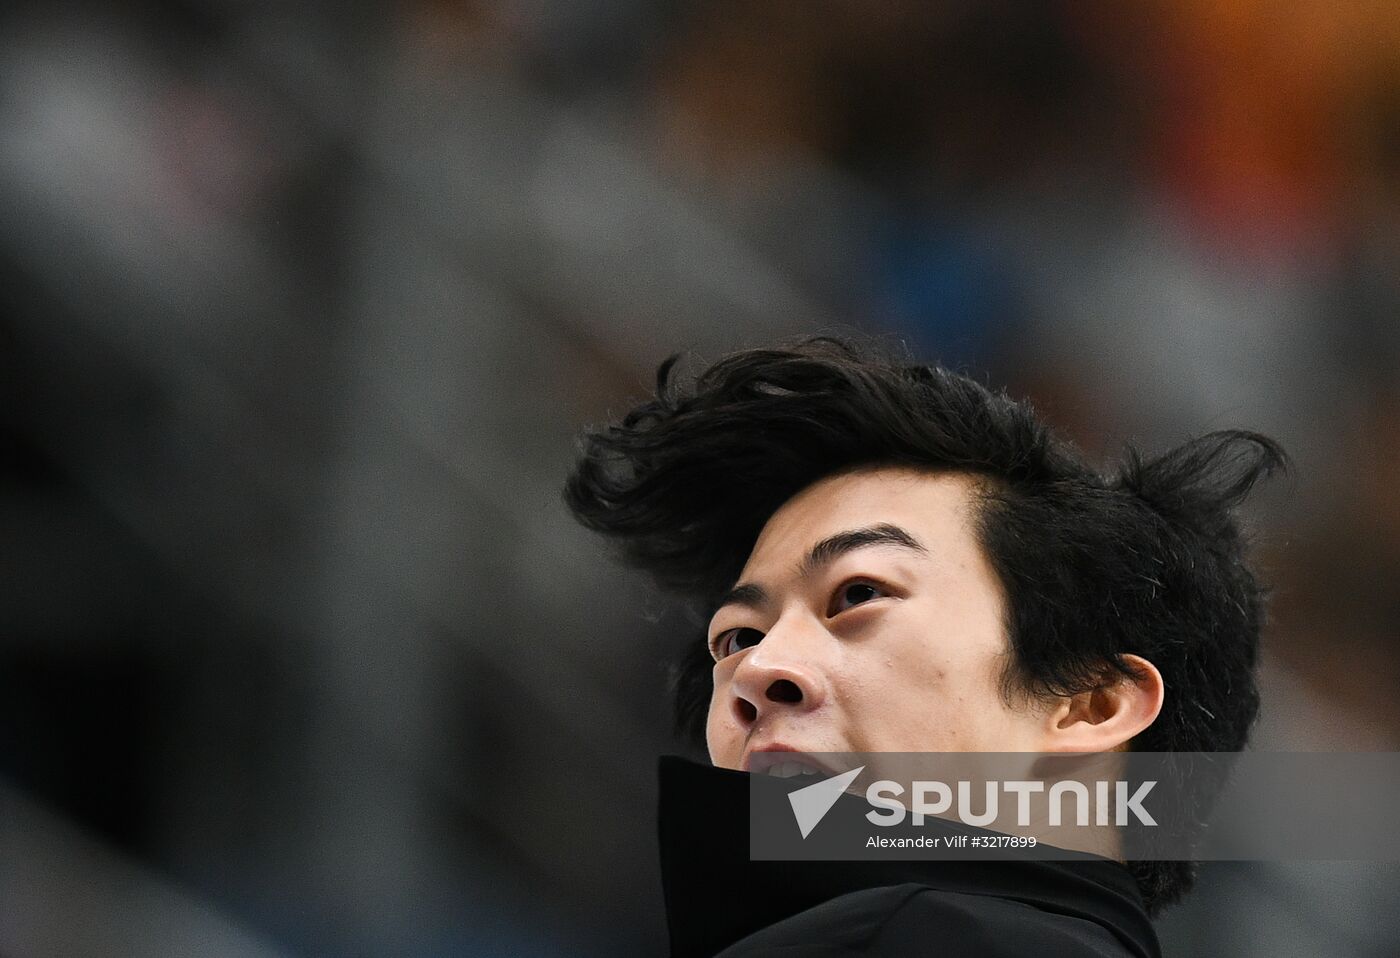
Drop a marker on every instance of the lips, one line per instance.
(781, 761)
(791, 769)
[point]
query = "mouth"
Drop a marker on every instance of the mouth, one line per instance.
(783, 762)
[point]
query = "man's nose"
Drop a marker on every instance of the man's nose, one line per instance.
(782, 672)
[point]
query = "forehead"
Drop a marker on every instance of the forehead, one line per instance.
(934, 507)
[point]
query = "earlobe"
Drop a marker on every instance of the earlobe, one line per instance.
(1106, 718)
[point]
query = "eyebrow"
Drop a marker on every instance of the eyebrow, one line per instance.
(824, 553)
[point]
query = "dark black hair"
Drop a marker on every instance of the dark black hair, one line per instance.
(1148, 559)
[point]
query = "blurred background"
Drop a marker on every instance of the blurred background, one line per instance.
(301, 309)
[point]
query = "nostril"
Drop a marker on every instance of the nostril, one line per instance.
(746, 710)
(784, 690)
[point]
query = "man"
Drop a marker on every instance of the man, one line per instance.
(892, 558)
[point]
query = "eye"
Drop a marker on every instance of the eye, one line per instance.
(852, 594)
(734, 640)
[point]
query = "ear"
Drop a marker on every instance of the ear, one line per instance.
(1106, 718)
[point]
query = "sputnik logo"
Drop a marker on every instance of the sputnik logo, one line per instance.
(811, 803)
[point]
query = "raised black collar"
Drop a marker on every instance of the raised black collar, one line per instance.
(716, 896)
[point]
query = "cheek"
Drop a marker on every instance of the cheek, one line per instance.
(940, 679)
(722, 737)
(962, 654)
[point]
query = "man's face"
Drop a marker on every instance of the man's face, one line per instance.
(866, 620)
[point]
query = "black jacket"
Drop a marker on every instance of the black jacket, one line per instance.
(718, 902)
